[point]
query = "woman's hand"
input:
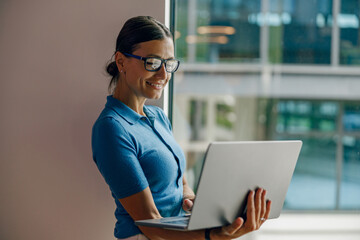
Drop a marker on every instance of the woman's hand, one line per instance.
(258, 210)
(188, 202)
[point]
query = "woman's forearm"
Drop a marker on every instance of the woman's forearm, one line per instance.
(164, 234)
(187, 191)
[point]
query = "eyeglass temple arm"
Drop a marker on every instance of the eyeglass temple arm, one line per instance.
(134, 56)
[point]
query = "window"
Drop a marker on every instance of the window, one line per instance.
(299, 33)
(213, 31)
(271, 70)
(349, 32)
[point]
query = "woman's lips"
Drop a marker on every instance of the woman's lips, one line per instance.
(157, 86)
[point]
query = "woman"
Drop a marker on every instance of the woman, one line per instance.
(135, 150)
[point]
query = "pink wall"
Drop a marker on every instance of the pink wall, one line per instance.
(52, 55)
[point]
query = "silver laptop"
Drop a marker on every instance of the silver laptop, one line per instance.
(230, 170)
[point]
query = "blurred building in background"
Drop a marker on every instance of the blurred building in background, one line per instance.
(271, 70)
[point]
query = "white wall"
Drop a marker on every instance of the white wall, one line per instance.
(52, 87)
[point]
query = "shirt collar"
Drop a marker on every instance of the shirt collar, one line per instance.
(149, 114)
(127, 113)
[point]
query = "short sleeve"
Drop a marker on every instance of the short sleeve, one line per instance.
(114, 153)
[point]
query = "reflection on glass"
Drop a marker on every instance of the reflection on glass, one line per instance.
(242, 101)
(351, 118)
(218, 31)
(300, 33)
(313, 185)
(197, 119)
(225, 116)
(304, 116)
(243, 45)
(350, 183)
(348, 21)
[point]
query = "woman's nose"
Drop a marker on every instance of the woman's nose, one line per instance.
(161, 73)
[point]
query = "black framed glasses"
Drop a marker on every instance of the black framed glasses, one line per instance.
(153, 64)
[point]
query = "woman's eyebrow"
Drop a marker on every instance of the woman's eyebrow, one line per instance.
(157, 56)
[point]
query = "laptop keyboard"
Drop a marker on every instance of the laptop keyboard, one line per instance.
(180, 220)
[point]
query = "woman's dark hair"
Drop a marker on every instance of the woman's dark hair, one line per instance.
(135, 30)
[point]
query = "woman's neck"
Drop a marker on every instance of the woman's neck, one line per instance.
(132, 102)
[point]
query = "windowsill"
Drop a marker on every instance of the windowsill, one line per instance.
(314, 223)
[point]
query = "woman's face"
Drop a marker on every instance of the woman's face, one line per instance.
(139, 81)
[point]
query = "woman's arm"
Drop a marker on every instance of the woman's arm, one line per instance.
(188, 196)
(141, 206)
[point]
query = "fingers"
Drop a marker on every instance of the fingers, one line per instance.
(233, 228)
(255, 204)
(187, 205)
(265, 207)
(263, 204)
(258, 203)
(254, 210)
(258, 209)
(250, 213)
(268, 209)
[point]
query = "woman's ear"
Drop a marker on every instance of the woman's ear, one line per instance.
(119, 60)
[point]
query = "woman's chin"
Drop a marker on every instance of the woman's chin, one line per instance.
(154, 96)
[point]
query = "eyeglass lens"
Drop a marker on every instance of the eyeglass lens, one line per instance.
(154, 64)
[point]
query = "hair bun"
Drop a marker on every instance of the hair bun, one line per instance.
(112, 69)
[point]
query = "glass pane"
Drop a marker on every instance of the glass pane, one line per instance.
(348, 21)
(305, 116)
(218, 31)
(350, 184)
(351, 118)
(313, 185)
(241, 101)
(300, 33)
(243, 45)
(209, 106)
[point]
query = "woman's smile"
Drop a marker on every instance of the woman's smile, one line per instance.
(155, 85)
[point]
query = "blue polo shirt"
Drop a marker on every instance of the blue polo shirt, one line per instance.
(133, 152)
